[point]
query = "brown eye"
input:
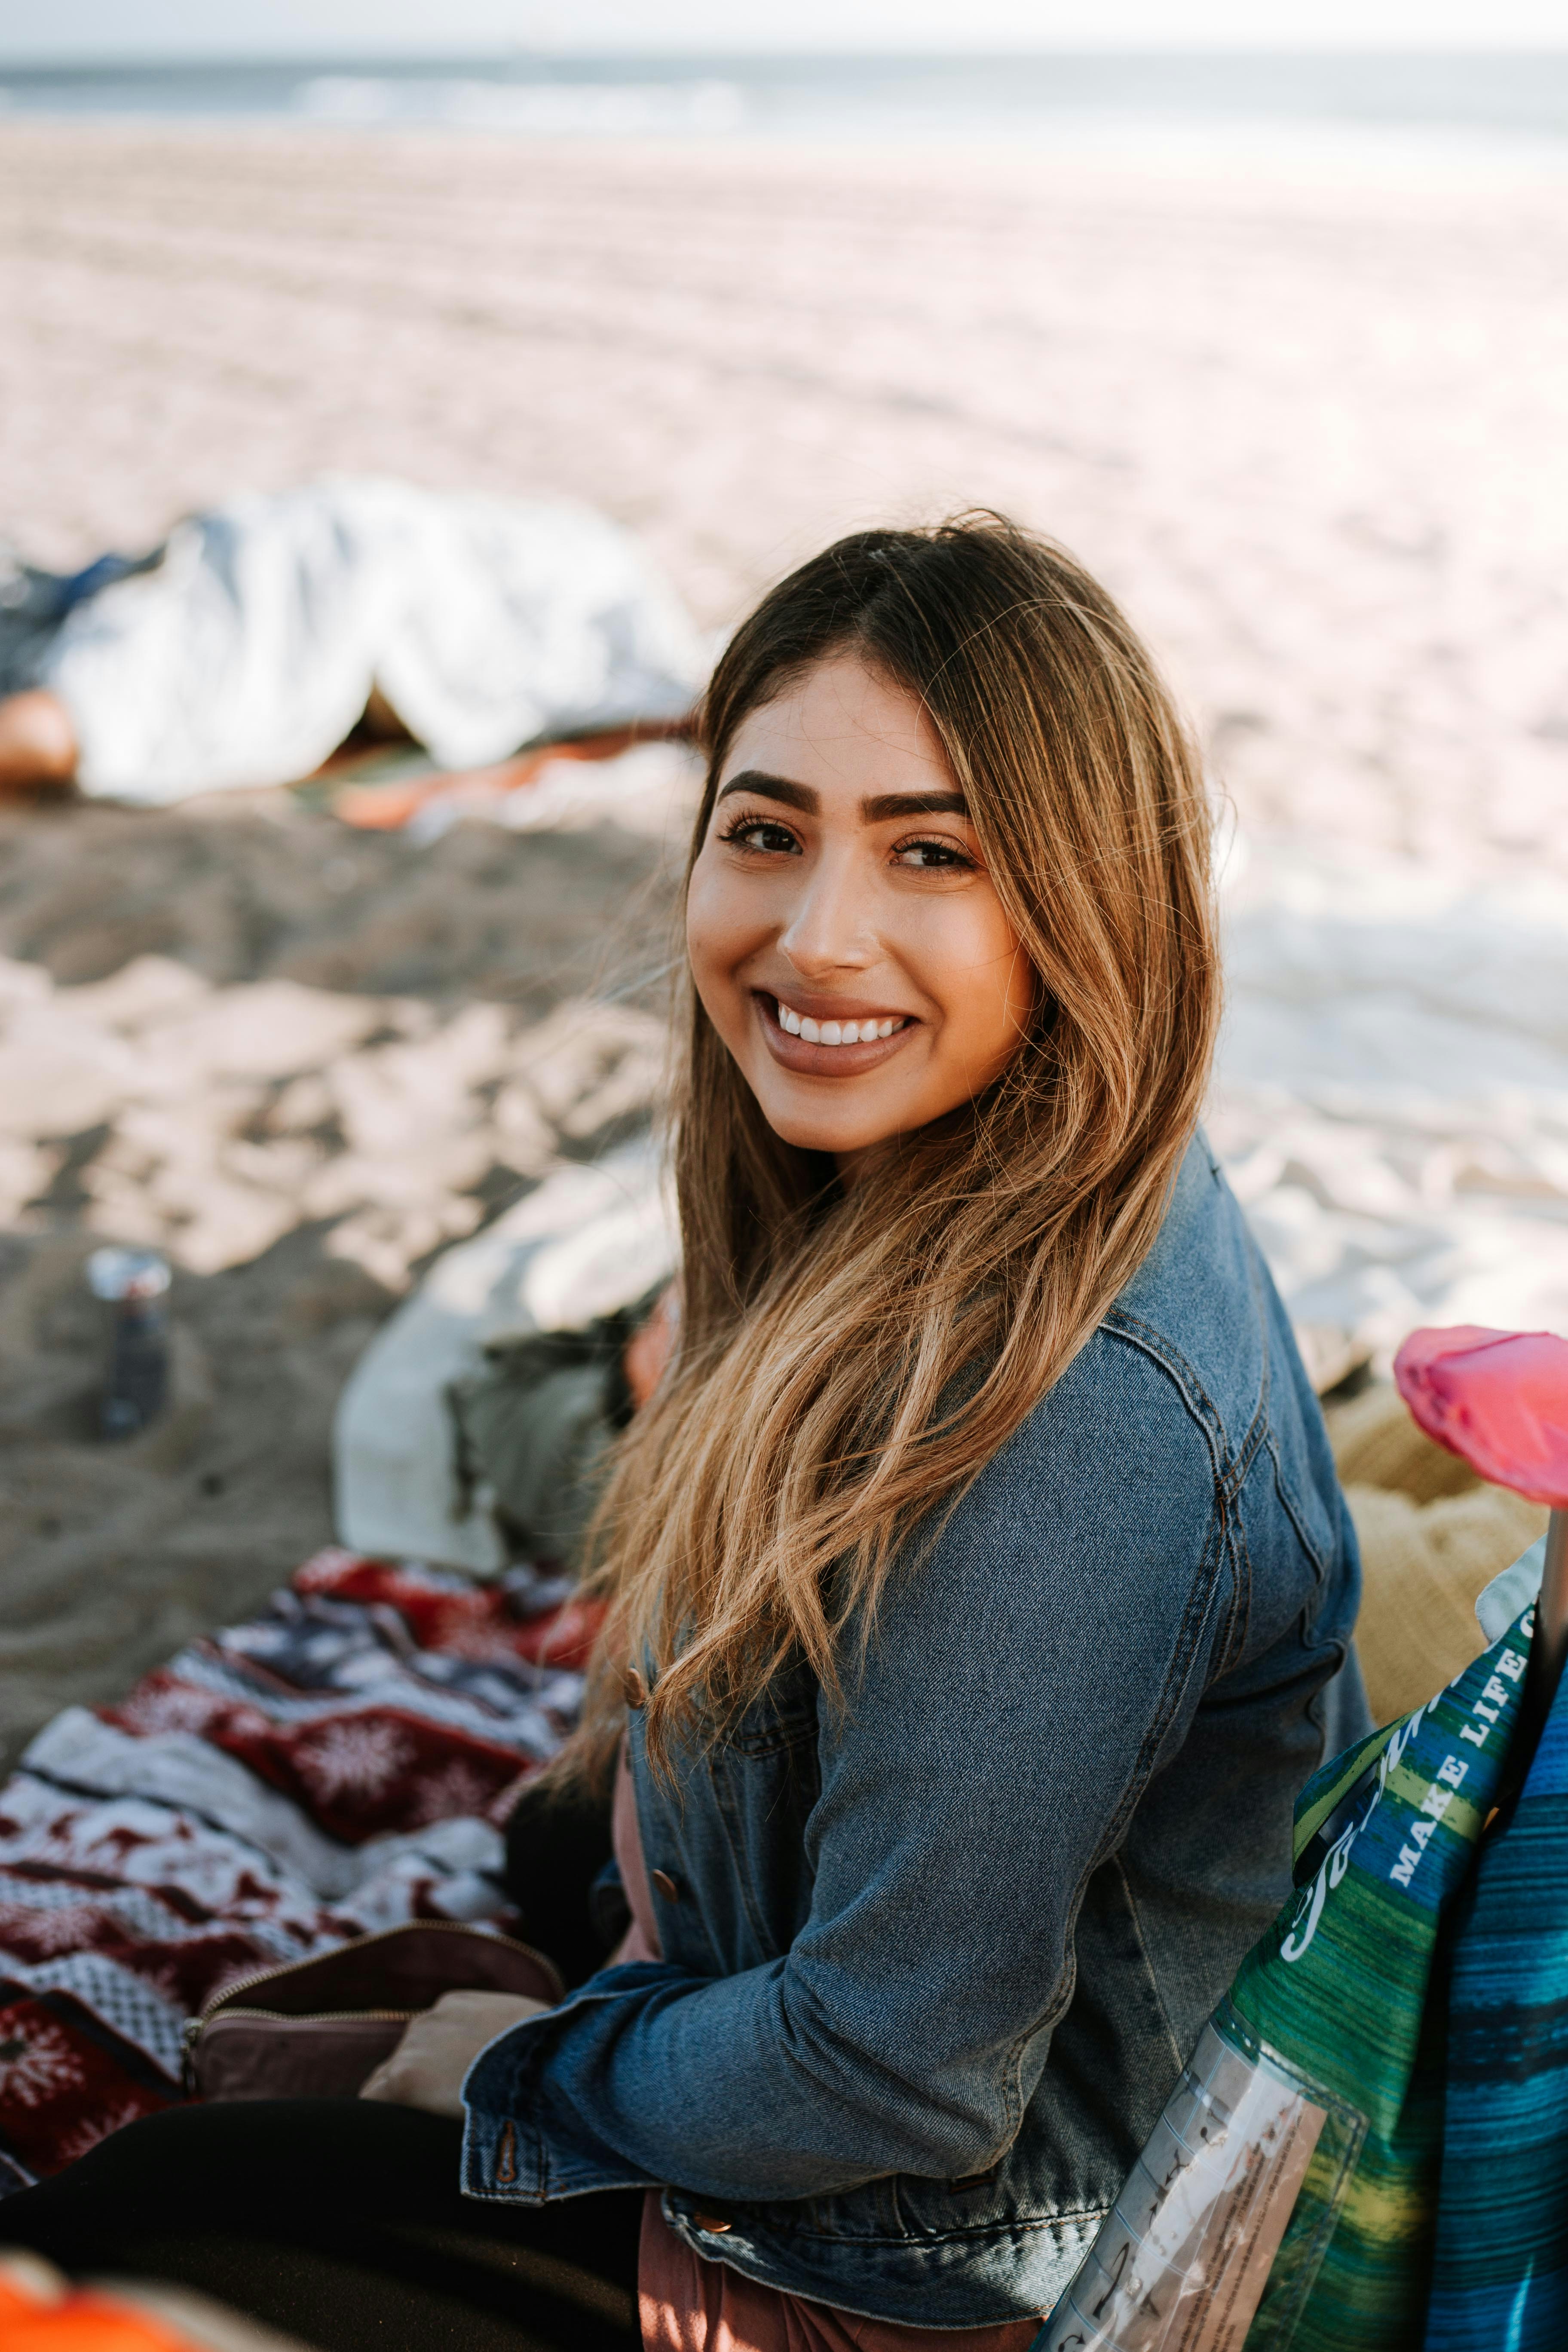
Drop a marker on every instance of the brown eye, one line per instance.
(764, 834)
(934, 856)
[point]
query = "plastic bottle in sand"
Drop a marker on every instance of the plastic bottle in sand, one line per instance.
(135, 1283)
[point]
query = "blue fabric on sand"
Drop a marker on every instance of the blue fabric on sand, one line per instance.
(1500, 2280)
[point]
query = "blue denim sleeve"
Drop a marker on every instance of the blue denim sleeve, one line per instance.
(1027, 1678)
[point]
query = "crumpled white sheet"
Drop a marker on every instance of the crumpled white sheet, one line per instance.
(590, 1240)
(1390, 1101)
(249, 652)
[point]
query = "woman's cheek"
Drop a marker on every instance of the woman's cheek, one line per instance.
(985, 983)
(705, 925)
(716, 942)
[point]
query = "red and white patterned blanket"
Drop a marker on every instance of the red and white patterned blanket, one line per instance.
(339, 1764)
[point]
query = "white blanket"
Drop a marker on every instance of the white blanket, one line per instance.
(1391, 1095)
(247, 654)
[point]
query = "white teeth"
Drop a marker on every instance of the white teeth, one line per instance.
(834, 1032)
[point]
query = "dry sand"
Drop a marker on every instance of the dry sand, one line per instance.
(1311, 433)
(299, 1059)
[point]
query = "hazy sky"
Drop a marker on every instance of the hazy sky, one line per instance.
(83, 28)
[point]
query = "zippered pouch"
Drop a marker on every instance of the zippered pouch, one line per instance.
(319, 2029)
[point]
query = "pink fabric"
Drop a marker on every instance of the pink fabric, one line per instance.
(689, 2305)
(640, 1941)
(1498, 1399)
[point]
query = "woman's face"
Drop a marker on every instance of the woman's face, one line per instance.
(845, 935)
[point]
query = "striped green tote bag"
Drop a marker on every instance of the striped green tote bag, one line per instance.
(1288, 2195)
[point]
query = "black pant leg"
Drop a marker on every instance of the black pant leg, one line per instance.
(340, 2221)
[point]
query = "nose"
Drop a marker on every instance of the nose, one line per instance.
(830, 927)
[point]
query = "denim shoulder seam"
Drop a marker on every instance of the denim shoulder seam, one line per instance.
(1229, 1466)
(1200, 1601)
(1232, 1649)
(1183, 1378)
(1117, 1323)
(1177, 2053)
(1056, 2007)
(1285, 1485)
(1297, 1517)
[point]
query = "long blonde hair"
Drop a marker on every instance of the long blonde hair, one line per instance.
(850, 1361)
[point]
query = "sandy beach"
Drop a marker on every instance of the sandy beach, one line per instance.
(300, 1060)
(1309, 430)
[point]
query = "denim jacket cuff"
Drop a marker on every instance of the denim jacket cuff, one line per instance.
(511, 2154)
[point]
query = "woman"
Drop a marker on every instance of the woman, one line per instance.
(981, 1590)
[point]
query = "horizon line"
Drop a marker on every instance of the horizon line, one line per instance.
(513, 53)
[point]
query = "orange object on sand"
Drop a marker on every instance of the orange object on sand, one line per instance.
(387, 807)
(37, 2315)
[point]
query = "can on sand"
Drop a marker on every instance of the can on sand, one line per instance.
(135, 1283)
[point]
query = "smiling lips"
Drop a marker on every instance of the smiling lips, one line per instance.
(836, 1032)
(830, 1048)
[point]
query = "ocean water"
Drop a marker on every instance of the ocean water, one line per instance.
(1511, 108)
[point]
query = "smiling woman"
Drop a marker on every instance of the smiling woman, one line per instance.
(979, 1590)
(947, 790)
(846, 940)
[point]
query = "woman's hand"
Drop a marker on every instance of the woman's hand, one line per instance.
(437, 2048)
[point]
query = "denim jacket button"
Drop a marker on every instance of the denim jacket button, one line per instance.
(662, 1883)
(634, 1688)
(714, 2223)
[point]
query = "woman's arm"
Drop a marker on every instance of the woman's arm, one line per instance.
(1025, 1681)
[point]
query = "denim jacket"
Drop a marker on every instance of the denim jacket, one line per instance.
(932, 1966)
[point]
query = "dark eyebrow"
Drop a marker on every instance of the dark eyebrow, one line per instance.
(875, 811)
(772, 788)
(889, 805)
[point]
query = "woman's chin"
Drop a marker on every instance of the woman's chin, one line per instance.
(807, 1129)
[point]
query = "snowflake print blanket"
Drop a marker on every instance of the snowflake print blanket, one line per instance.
(342, 1763)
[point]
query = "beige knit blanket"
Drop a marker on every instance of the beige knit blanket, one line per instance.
(1432, 1535)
